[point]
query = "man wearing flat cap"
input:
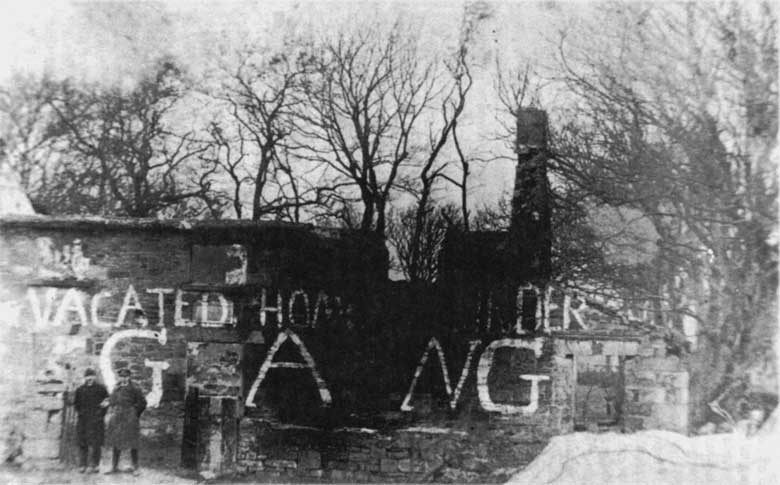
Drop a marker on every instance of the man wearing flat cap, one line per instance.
(125, 406)
(91, 409)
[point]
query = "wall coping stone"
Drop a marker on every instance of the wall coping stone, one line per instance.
(232, 228)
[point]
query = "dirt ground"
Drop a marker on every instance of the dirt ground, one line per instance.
(159, 464)
(650, 457)
(40, 475)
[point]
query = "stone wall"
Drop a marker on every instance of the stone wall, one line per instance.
(499, 411)
(143, 295)
(656, 395)
(282, 349)
(483, 452)
(213, 368)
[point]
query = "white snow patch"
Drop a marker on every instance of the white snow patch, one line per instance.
(653, 457)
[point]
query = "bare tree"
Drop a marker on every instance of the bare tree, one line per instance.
(262, 100)
(228, 155)
(251, 143)
(433, 169)
(417, 242)
(122, 152)
(473, 15)
(366, 96)
(29, 144)
(423, 243)
(676, 121)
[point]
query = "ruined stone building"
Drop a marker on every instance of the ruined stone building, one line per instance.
(283, 349)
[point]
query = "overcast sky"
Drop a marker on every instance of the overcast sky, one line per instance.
(112, 41)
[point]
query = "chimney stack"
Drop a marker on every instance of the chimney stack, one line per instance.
(531, 227)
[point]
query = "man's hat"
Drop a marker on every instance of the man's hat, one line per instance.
(124, 372)
(89, 372)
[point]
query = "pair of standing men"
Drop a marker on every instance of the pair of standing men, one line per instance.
(124, 407)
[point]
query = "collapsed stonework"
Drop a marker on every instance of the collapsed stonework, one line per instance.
(283, 349)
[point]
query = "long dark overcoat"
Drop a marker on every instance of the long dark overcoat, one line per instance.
(89, 426)
(125, 407)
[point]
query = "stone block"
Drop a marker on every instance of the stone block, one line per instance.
(338, 464)
(309, 459)
(359, 450)
(431, 453)
(41, 448)
(633, 423)
(355, 455)
(639, 409)
(473, 463)
(677, 380)
(397, 453)
(338, 475)
(387, 465)
(281, 464)
(359, 458)
(660, 364)
(668, 417)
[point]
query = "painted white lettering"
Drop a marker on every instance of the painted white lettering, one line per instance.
(204, 309)
(463, 374)
(454, 397)
(521, 301)
(483, 369)
(68, 344)
(78, 263)
(237, 276)
(576, 313)
(291, 314)
(539, 312)
(42, 316)
(264, 308)
(95, 305)
(548, 307)
(130, 302)
(71, 302)
(646, 310)
(322, 302)
(533, 404)
(10, 312)
(519, 312)
(179, 304)
(106, 369)
(153, 398)
(224, 306)
(486, 307)
(270, 364)
(160, 292)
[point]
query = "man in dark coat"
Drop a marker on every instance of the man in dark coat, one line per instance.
(90, 408)
(125, 406)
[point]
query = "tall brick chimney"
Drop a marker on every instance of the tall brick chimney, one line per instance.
(531, 229)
